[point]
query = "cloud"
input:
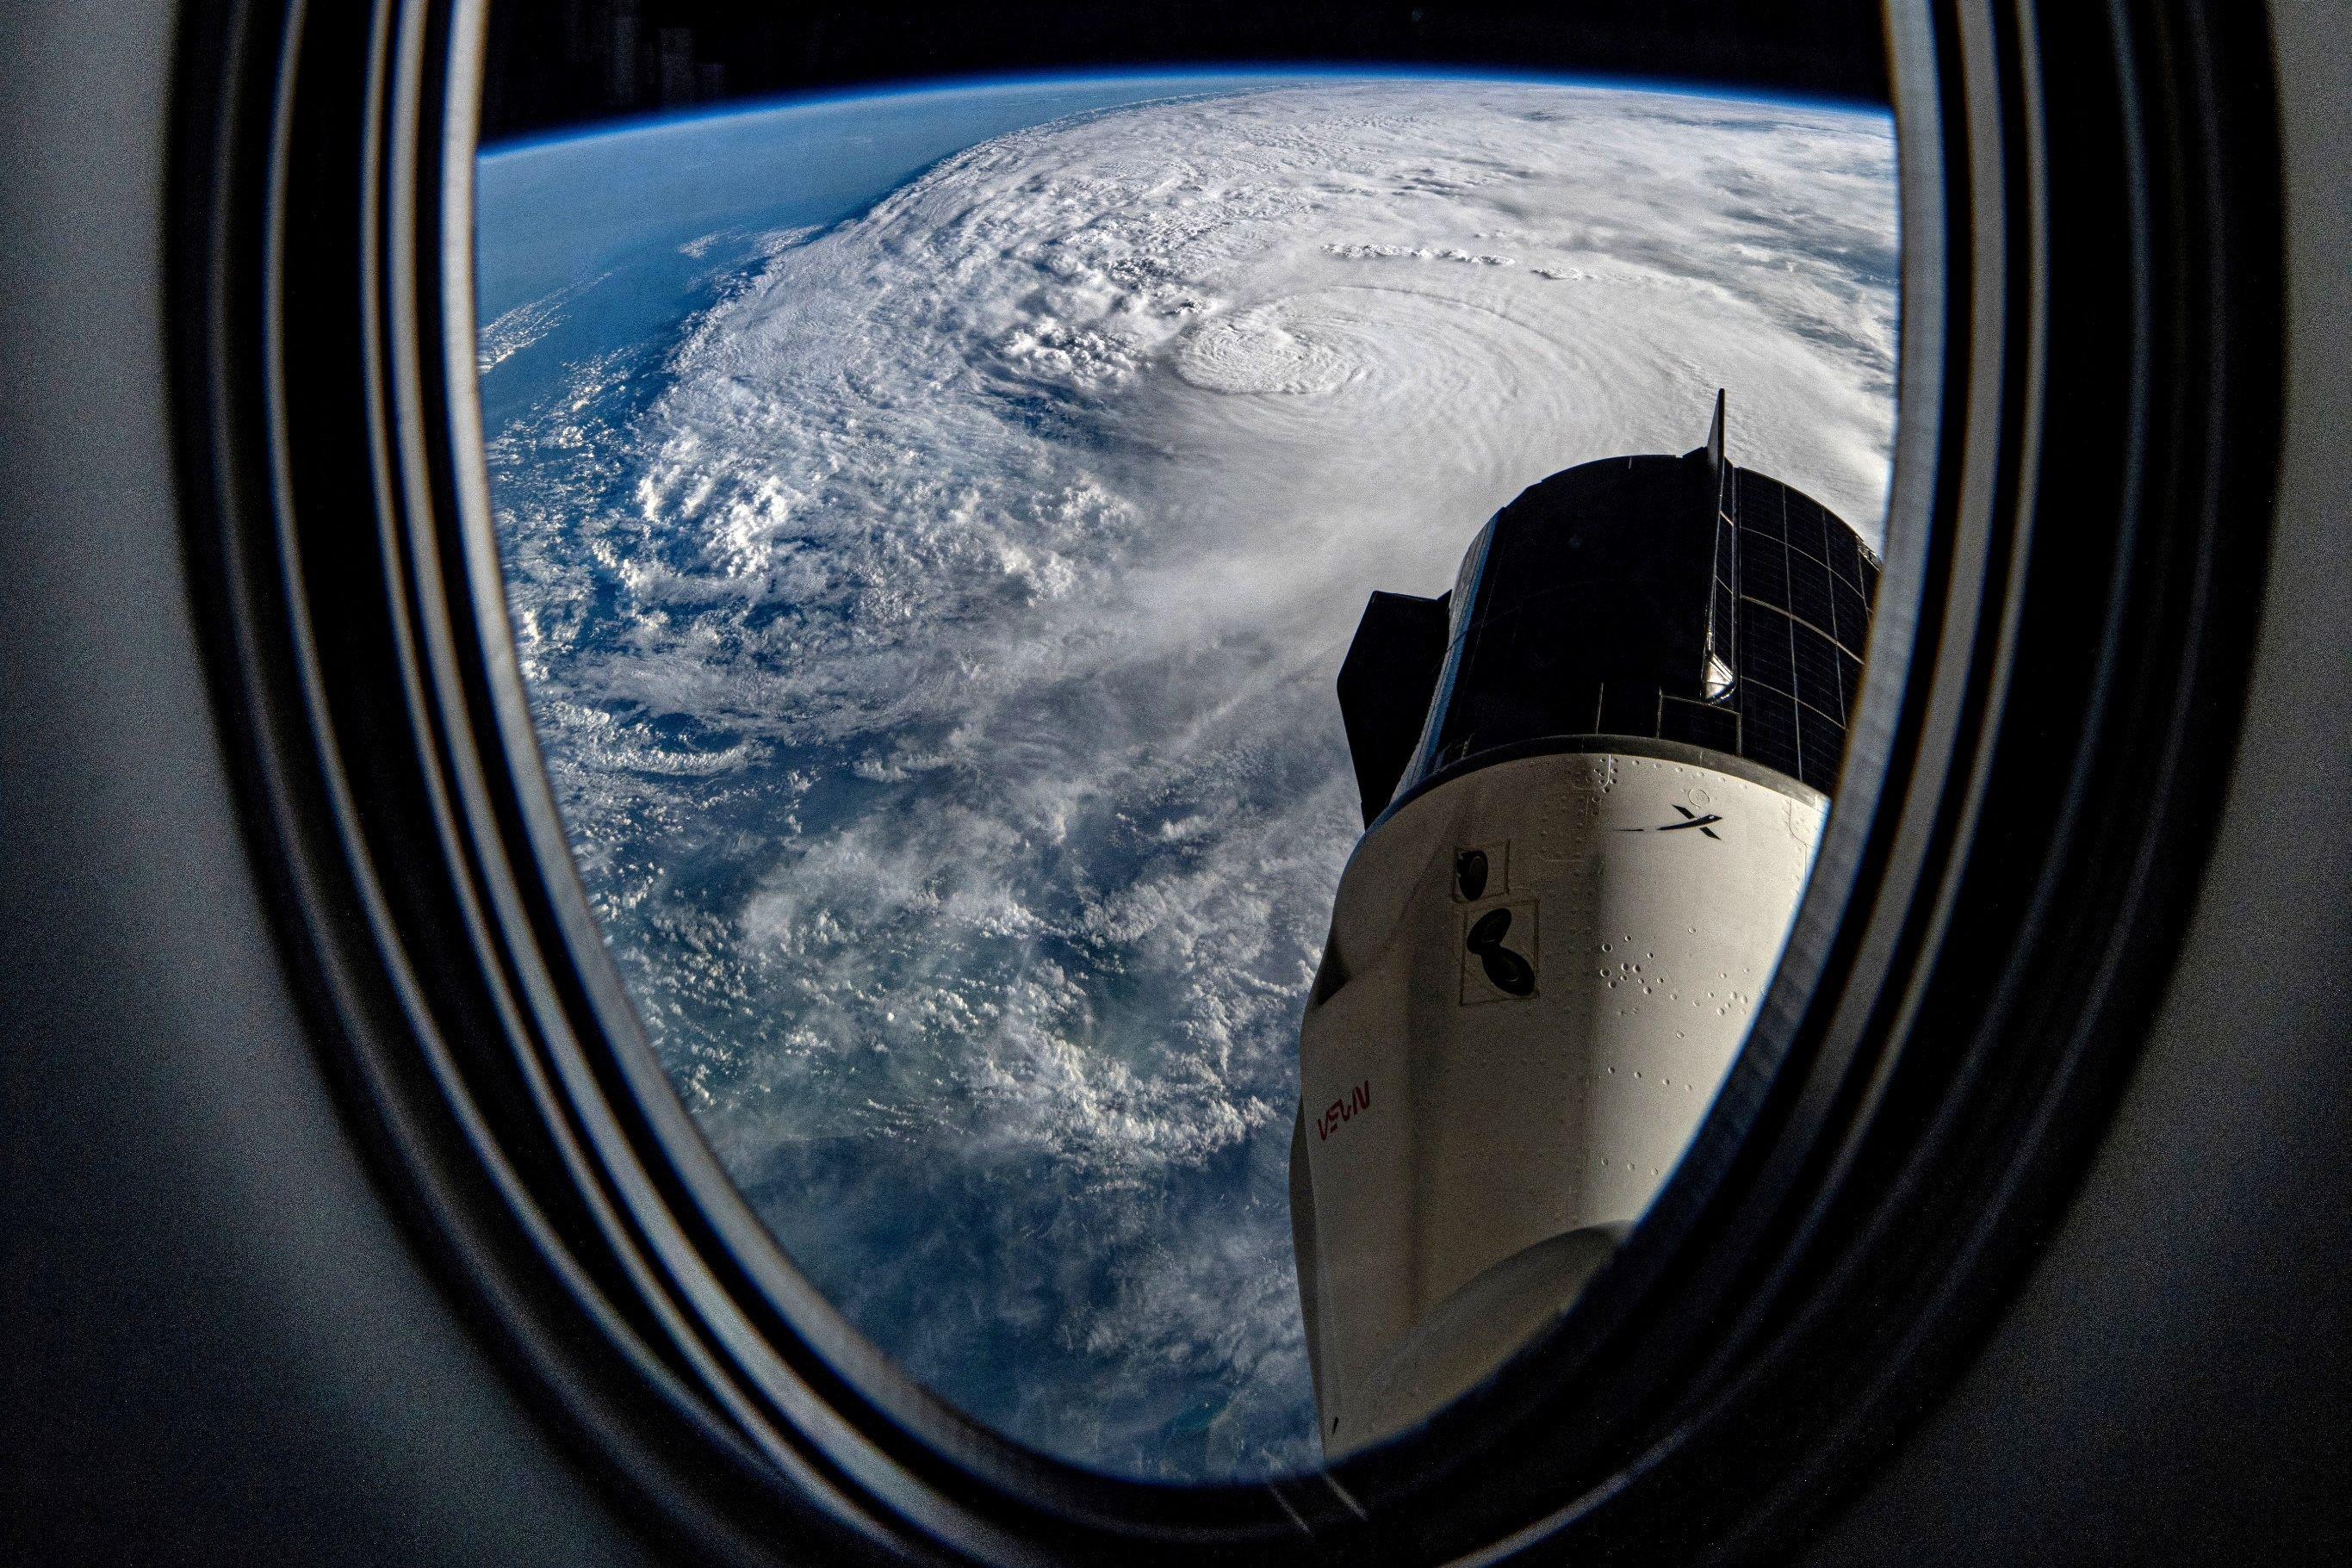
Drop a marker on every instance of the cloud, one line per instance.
(934, 654)
(519, 329)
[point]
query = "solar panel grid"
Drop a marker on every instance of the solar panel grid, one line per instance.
(1768, 729)
(1808, 525)
(1808, 593)
(1851, 615)
(1764, 572)
(1845, 556)
(1816, 675)
(1602, 623)
(1766, 651)
(1820, 748)
(1762, 510)
(1849, 682)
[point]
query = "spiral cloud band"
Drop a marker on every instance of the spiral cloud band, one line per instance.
(934, 652)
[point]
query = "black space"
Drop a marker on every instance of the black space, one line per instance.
(553, 63)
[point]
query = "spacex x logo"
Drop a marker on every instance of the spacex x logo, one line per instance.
(1690, 820)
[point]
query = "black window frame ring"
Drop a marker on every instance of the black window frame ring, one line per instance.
(2087, 408)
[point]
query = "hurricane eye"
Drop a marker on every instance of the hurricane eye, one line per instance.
(1017, 558)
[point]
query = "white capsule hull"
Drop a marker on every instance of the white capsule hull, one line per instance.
(1537, 976)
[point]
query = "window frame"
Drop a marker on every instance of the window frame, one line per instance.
(2087, 424)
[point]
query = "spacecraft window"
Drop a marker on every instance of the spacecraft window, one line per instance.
(931, 523)
(1072, 806)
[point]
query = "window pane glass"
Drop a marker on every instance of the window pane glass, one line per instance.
(936, 520)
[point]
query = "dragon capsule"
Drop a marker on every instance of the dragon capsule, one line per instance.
(1593, 775)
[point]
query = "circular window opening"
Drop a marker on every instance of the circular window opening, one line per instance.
(1194, 700)
(685, 669)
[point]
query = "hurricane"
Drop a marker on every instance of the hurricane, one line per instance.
(932, 642)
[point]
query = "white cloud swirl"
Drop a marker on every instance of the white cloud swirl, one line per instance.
(936, 660)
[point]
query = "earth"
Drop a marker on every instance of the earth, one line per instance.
(933, 522)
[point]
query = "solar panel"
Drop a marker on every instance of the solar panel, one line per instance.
(1665, 597)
